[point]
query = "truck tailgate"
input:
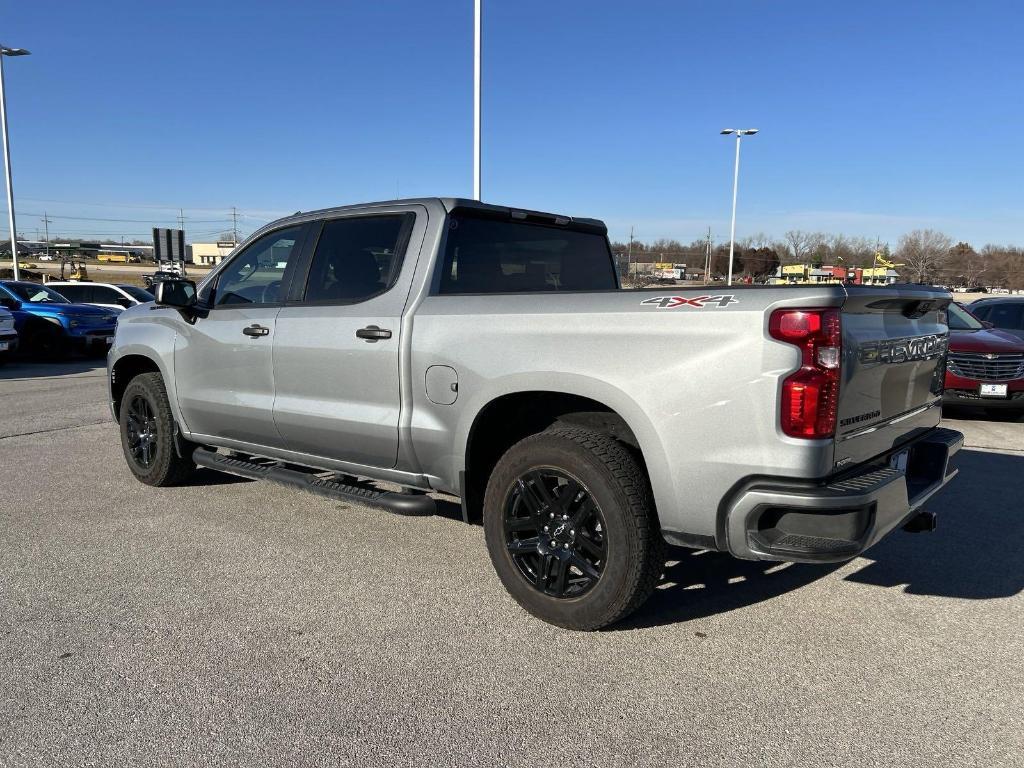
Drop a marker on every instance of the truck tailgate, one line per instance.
(894, 361)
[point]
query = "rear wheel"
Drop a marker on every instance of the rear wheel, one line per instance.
(147, 434)
(47, 342)
(571, 530)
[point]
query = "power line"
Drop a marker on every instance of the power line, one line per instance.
(128, 221)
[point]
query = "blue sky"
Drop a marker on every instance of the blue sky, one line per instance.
(875, 118)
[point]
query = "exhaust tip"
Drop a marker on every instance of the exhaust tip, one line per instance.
(922, 522)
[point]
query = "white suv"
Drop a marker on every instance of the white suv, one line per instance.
(108, 295)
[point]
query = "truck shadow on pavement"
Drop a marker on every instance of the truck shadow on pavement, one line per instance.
(23, 368)
(697, 584)
(976, 551)
(975, 554)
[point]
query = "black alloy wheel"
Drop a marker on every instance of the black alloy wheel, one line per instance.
(142, 432)
(571, 528)
(155, 455)
(555, 533)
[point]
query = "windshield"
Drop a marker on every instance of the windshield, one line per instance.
(36, 294)
(960, 319)
(137, 293)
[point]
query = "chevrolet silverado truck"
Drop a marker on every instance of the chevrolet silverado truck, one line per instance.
(385, 352)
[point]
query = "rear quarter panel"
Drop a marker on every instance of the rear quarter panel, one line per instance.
(698, 386)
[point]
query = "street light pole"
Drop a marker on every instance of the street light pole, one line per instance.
(477, 56)
(5, 51)
(740, 133)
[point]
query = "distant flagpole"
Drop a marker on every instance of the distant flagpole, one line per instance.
(477, 56)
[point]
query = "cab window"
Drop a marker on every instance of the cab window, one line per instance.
(255, 276)
(357, 257)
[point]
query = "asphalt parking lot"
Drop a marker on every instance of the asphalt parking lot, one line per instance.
(238, 622)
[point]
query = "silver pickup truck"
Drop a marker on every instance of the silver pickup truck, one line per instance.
(383, 352)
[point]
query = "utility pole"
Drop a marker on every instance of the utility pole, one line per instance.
(234, 225)
(46, 228)
(874, 262)
(707, 260)
(629, 252)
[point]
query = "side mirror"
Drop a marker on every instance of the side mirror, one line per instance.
(126, 303)
(7, 303)
(180, 294)
(988, 323)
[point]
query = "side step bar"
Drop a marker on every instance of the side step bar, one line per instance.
(410, 503)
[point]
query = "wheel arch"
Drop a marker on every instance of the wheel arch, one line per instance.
(505, 418)
(126, 368)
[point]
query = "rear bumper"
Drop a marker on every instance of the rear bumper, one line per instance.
(833, 521)
(1015, 400)
(963, 391)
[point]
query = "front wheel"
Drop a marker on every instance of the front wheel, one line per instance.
(571, 529)
(47, 342)
(147, 433)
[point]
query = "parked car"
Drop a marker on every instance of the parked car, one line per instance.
(160, 275)
(51, 326)
(116, 296)
(8, 335)
(1004, 312)
(488, 352)
(985, 366)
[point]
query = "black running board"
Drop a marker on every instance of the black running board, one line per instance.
(357, 492)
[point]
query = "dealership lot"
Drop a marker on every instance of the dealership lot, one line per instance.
(242, 622)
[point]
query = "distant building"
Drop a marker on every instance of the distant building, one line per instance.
(803, 273)
(209, 254)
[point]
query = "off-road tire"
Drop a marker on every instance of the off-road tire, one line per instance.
(166, 467)
(618, 483)
(45, 341)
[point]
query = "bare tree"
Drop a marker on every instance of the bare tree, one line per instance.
(966, 265)
(760, 262)
(756, 240)
(1006, 265)
(799, 245)
(923, 252)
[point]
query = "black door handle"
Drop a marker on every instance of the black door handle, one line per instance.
(373, 334)
(256, 330)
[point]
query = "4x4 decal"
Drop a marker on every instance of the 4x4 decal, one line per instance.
(700, 302)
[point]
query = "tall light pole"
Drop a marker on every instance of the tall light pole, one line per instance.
(5, 51)
(478, 12)
(740, 133)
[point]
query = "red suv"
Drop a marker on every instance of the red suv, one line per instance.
(985, 367)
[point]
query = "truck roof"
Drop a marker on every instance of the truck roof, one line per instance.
(450, 204)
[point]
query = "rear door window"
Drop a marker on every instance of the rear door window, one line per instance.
(78, 294)
(1007, 315)
(495, 255)
(102, 294)
(357, 257)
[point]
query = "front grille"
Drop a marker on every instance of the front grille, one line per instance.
(978, 366)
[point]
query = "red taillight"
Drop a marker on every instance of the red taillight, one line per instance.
(810, 397)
